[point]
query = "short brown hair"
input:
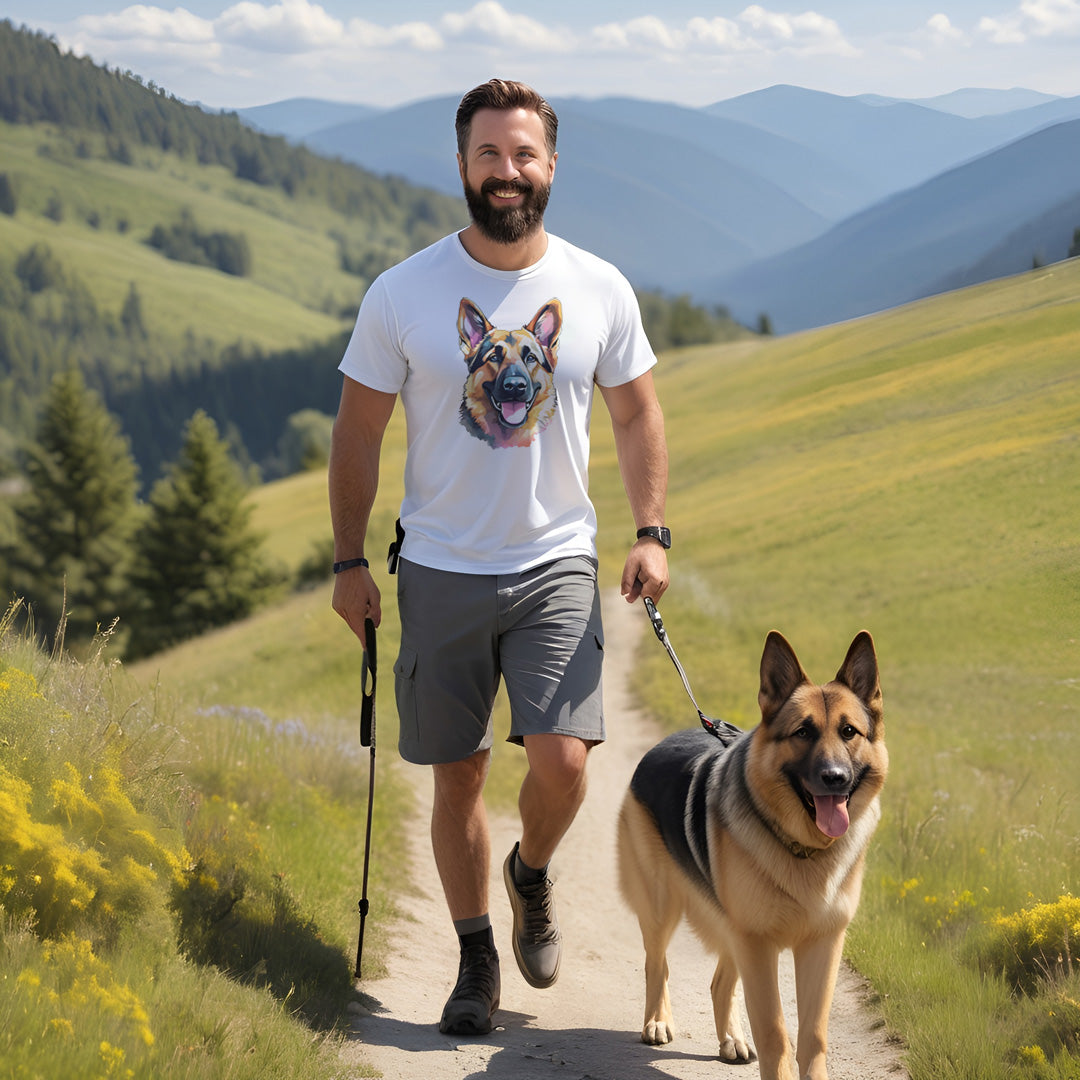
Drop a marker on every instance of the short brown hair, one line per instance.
(503, 94)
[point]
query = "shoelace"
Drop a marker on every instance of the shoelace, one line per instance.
(476, 976)
(539, 911)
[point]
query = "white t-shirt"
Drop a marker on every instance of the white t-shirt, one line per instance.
(496, 369)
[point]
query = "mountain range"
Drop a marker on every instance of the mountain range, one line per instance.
(805, 205)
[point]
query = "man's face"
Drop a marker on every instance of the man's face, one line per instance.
(506, 173)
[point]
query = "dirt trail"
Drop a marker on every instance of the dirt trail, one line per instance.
(587, 1026)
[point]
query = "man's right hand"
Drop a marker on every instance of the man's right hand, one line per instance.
(356, 598)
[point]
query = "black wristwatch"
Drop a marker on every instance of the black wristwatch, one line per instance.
(657, 532)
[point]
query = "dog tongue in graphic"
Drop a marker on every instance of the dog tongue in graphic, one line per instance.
(513, 412)
(831, 814)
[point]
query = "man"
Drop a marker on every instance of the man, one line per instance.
(495, 337)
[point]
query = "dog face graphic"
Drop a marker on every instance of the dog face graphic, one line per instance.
(509, 394)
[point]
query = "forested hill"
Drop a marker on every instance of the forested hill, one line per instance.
(177, 258)
(39, 84)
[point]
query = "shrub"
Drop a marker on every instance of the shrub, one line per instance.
(1036, 945)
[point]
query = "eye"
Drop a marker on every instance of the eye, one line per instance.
(848, 732)
(806, 731)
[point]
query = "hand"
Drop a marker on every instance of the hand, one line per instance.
(646, 571)
(356, 598)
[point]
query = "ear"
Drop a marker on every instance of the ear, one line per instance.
(859, 673)
(472, 325)
(546, 324)
(781, 675)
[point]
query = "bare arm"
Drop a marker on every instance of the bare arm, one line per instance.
(354, 478)
(638, 423)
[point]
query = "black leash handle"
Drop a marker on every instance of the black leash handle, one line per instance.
(721, 729)
(367, 738)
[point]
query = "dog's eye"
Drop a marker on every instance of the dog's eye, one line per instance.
(848, 732)
(804, 732)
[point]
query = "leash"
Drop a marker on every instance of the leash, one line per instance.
(367, 738)
(721, 729)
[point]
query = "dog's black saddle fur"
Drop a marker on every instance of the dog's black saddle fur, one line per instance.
(672, 782)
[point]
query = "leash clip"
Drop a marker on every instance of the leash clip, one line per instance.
(656, 621)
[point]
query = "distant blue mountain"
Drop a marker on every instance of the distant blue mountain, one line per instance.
(895, 145)
(659, 206)
(297, 117)
(807, 205)
(907, 246)
(972, 102)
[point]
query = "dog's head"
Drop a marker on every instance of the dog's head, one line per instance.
(825, 743)
(509, 393)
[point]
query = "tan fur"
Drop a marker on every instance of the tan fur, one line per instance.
(781, 885)
(491, 355)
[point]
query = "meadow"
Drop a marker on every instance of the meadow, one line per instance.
(913, 473)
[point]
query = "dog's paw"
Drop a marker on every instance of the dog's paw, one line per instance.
(736, 1051)
(657, 1032)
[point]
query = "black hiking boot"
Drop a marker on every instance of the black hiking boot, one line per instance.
(475, 998)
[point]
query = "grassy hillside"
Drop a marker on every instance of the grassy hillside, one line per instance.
(914, 473)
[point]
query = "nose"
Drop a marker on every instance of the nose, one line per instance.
(515, 386)
(835, 777)
(506, 169)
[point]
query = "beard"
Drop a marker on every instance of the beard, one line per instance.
(506, 224)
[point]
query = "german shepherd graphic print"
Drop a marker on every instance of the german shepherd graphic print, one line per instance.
(509, 393)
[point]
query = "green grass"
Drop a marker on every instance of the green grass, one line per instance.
(916, 474)
(295, 294)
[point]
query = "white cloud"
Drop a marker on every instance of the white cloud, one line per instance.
(488, 22)
(156, 24)
(719, 33)
(292, 26)
(646, 33)
(755, 29)
(806, 33)
(1033, 18)
(941, 31)
(413, 35)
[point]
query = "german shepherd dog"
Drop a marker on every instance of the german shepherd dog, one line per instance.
(509, 395)
(761, 845)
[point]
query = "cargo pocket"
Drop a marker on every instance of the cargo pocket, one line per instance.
(405, 691)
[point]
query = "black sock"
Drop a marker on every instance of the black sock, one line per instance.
(527, 875)
(476, 931)
(478, 937)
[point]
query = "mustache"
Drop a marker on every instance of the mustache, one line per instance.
(491, 184)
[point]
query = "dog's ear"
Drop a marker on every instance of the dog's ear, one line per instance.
(781, 675)
(472, 325)
(859, 673)
(546, 324)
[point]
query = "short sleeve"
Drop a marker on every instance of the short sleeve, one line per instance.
(626, 353)
(374, 356)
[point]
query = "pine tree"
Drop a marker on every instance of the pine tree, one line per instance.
(75, 521)
(7, 196)
(131, 316)
(198, 562)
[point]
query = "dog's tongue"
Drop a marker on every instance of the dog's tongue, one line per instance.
(831, 813)
(513, 412)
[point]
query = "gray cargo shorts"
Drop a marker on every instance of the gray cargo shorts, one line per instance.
(539, 630)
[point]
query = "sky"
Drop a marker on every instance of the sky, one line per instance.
(228, 54)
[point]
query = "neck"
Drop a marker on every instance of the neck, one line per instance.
(527, 251)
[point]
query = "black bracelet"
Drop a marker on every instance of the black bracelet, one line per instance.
(348, 564)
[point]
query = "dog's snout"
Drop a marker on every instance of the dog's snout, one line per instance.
(835, 777)
(514, 385)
